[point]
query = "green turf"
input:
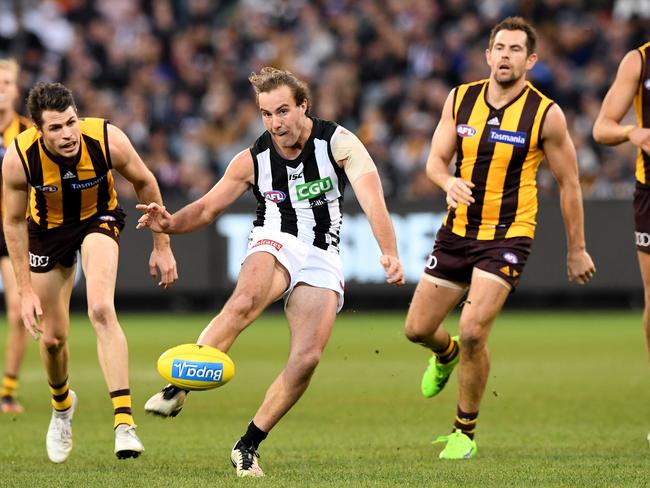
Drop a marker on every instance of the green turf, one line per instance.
(566, 405)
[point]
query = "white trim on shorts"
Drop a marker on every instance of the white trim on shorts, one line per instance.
(481, 273)
(304, 262)
(454, 285)
(462, 286)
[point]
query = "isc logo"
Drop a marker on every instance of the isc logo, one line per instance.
(196, 370)
(314, 189)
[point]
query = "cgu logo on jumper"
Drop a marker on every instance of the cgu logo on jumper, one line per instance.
(314, 188)
(197, 371)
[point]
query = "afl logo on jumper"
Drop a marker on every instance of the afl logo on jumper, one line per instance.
(464, 130)
(646, 84)
(275, 196)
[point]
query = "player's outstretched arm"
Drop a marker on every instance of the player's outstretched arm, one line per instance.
(14, 191)
(443, 147)
(561, 157)
(607, 128)
(239, 176)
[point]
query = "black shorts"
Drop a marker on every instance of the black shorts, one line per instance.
(454, 258)
(642, 217)
(49, 247)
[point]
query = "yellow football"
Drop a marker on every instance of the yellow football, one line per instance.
(196, 367)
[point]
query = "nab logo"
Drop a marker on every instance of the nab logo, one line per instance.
(275, 196)
(314, 188)
(464, 130)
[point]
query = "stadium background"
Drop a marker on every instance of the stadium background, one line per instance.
(567, 395)
(173, 74)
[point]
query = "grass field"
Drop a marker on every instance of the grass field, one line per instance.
(566, 405)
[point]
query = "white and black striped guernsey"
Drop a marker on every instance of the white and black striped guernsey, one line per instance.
(303, 196)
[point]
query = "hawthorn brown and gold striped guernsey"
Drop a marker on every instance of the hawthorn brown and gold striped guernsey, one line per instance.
(499, 150)
(15, 127)
(68, 191)
(642, 109)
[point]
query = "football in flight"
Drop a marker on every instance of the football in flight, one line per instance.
(196, 367)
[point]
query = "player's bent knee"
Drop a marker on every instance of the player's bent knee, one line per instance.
(472, 340)
(244, 306)
(417, 332)
(305, 363)
(53, 343)
(101, 313)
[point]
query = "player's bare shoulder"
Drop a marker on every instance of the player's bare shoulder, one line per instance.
(241, 167)
(555, 125)
(119, 145)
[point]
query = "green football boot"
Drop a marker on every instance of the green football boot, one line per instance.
(436, 376)
(459, 446)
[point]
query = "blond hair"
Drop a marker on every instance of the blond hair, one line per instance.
(10, 64)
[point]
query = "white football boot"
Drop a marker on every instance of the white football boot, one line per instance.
(166, 403)
(58, 440)
(244, 460)
(127, 443)
(648, 437)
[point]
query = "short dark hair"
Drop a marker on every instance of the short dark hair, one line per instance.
(270, 78)
(48, 96)
(516, 24)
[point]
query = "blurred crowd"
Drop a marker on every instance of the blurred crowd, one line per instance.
(173, 73)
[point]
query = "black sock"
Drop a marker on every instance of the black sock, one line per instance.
(253, 436)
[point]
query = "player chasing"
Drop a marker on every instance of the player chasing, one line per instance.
(297, 171)
(499, 129)
(61, 170)
(632, 86)
(11, 124)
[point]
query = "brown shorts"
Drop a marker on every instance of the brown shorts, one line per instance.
(49, 247)
(454, 258)
(642, 217)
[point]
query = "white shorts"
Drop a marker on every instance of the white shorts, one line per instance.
(304, 262)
